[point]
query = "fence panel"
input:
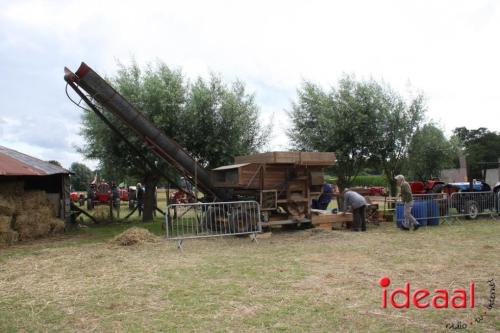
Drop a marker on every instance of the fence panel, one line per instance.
(199, 220)
(472, 204)
(427, 208)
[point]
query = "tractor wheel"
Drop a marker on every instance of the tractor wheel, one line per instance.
(471, 209)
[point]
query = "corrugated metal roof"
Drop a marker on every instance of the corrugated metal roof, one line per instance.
(232, 166)
(14, 163)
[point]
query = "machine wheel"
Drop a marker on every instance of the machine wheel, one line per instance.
(472, 210)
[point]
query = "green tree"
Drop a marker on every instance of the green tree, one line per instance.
(398, 123)
(481, 147)
(429, 153)
(365, 123)
(341, 121)
(56, 163)
(82, 176)
(210, 120)
(227, 119)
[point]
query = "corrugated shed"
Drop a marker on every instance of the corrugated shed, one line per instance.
(14, 163)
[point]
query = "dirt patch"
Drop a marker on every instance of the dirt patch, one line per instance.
(134, 236)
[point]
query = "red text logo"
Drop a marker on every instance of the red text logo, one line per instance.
(422, 298)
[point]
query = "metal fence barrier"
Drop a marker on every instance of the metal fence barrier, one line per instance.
(200, 220)
(472, 204)
(428, 209)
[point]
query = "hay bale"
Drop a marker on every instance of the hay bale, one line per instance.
(9, 237)
(56, 226)
(7, 205)
(34, 200)
(32, 226)
(11, 188)
(135, 235)
(34, 216)
(5, 223)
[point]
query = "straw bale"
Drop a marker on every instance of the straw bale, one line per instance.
(5, 223)
(56, 226)
(34, 200)
(33, 217)
(9, 237)
(135, 235)
(7, 205)
(32, 226)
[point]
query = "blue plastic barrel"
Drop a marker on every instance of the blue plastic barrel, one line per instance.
(432, 213)
(419, 211)
(400, 214)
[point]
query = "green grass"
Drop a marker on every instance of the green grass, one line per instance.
(297, 281)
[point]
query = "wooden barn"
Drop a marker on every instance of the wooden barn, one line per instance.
(26, 173)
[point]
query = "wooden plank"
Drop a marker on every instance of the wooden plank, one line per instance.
(289, 157)
(331, 218)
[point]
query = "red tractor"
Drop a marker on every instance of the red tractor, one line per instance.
(430, 186)
(98, 194)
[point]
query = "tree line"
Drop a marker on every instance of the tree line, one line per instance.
(366, 123)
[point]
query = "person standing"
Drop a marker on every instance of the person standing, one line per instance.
(115, 198)
(407, 198)
(357, 203)
(140, 198)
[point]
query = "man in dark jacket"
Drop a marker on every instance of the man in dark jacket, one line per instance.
(357, 203)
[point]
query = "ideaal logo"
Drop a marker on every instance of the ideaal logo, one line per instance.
(419, 298)
(458, 298)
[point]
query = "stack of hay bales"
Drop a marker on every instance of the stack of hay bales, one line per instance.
(25, 215)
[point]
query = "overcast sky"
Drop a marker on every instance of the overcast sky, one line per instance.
(449, 50)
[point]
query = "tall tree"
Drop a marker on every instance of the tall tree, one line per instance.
(210, 120)
(340, 120)
(227, 118)
(82, 176)
(398, 123)
(481, 147)
(361, 121)
(429, 153)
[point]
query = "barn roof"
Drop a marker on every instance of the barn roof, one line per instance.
(14, 163)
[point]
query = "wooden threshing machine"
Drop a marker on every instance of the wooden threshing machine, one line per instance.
(283, 183)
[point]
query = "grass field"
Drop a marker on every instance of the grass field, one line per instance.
(296, 281)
